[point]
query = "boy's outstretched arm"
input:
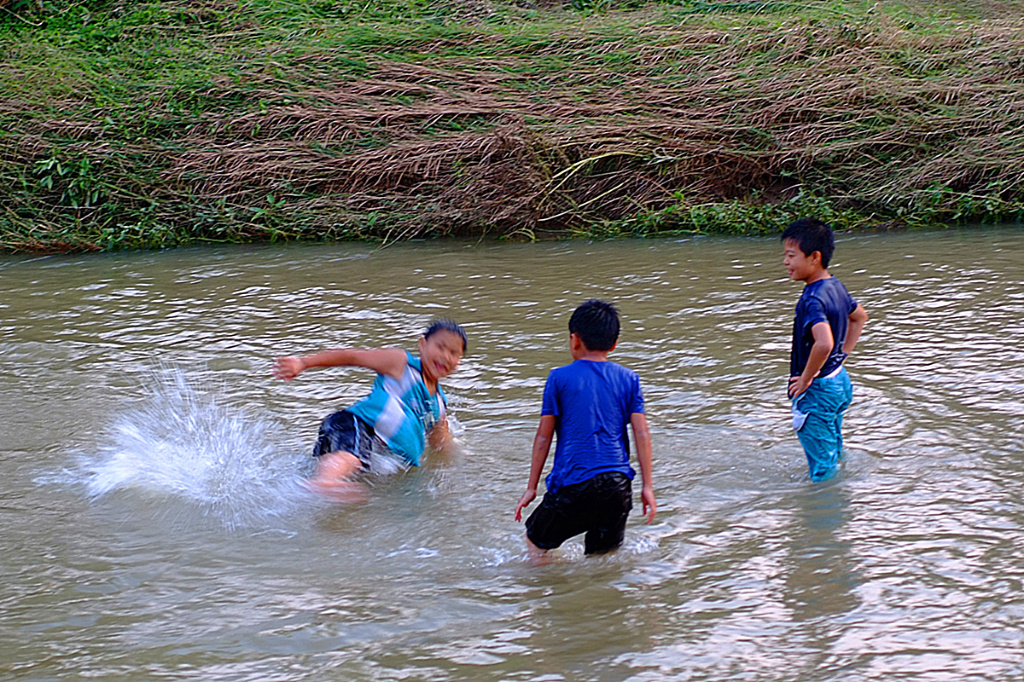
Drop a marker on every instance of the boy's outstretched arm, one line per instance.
(390, 361)
(642, 436)
(541, 447)
(858, 318)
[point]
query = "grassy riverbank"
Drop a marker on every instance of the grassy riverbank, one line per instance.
(138, 124)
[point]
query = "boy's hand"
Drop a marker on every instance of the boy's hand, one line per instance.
(440, 437)
(650, 507)
(526, 499)
(797, 386)
(288, 368)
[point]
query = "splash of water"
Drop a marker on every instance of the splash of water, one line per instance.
(183, 445)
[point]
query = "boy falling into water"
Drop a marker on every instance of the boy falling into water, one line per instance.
(826, 329)
(589, 404)
(405, 410)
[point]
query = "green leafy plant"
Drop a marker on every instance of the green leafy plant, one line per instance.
(75, 179)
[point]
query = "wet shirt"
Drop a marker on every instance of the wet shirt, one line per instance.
(823, 301)
(402, 411)
(592, 403)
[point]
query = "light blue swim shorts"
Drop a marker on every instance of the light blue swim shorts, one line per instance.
(818, 421)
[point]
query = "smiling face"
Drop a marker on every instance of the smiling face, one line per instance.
(801, 267)
(440, 354)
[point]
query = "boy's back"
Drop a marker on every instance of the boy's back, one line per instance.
(825, 300)
(592, 403)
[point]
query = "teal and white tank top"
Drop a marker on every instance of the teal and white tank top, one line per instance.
(402, 411)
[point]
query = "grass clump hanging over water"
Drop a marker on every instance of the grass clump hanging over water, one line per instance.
(130, 123)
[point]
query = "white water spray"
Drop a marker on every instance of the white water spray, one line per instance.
(184, 445)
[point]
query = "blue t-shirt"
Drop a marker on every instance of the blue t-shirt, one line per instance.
(592, 403)
(402, 411)
(823, 301)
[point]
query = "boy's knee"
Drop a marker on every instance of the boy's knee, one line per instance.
(821, 460)
(339, 464)
(824, 463)
(604, 540)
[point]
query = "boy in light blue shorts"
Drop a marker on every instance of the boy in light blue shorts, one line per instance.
(826, 329)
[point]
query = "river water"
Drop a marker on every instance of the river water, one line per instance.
(155, 525)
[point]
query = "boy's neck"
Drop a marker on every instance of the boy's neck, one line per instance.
(592, 355)
(579, 350)
(818, 275)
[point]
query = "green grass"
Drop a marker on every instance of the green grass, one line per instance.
(127, 124)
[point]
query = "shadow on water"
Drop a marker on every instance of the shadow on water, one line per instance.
(821, 581)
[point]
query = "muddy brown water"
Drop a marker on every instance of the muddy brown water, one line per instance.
(154, 524)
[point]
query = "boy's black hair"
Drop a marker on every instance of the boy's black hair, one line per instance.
(812, 235)
(596, 322)
(446, 325)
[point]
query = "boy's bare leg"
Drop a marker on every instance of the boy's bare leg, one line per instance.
(538, 556)
(337, 466)
(334, 477)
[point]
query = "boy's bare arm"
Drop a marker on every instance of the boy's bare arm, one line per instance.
(440, 438)
(822, 348)
(541, 447)
(389, 361)
(858, 318)
(644, 456)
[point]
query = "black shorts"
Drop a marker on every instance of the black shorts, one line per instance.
(345, 431)
(598, 507)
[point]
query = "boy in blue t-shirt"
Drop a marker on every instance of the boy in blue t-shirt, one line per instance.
(826, 329)
(589, 405)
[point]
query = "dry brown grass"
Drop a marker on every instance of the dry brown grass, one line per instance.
(849, 118)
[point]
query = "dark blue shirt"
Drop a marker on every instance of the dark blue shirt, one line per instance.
(823, 301)
(592, 403)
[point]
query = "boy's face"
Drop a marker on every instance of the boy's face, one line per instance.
(800, 266)
(440, 354)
